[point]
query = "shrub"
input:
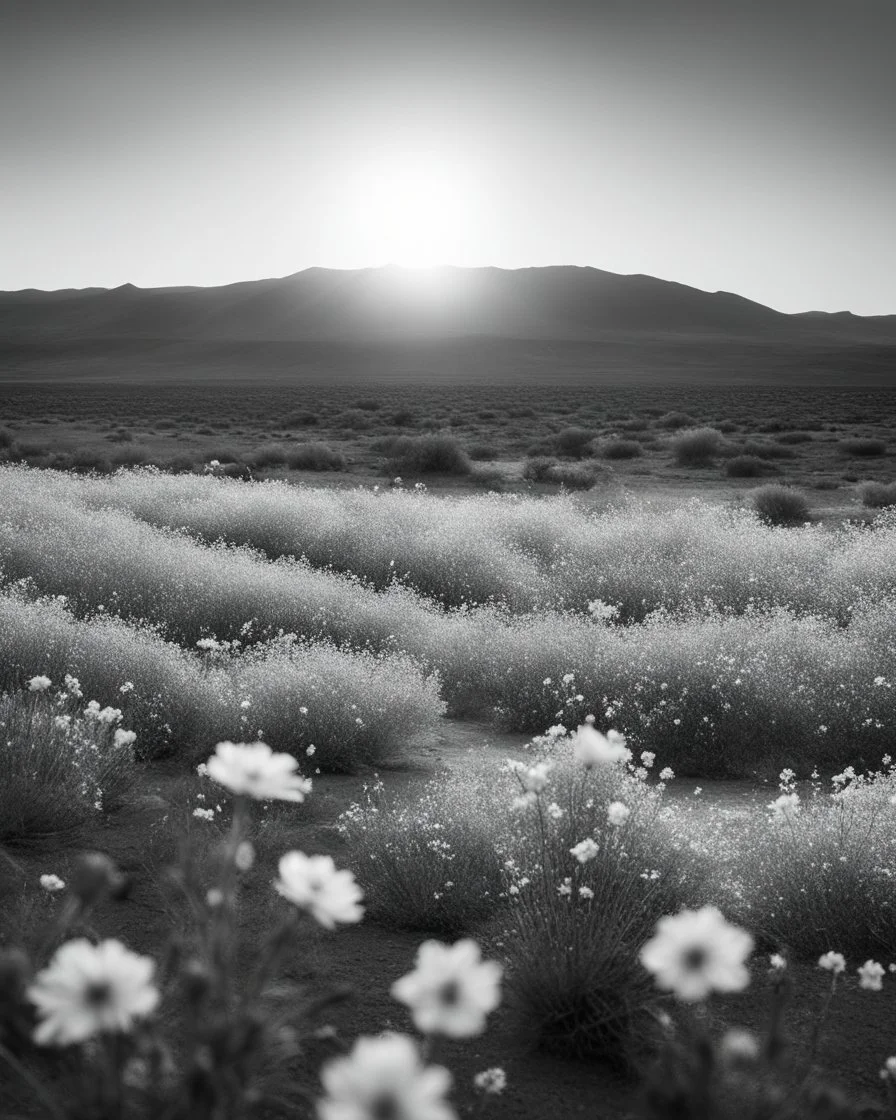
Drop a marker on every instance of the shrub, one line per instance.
(401, 417)
(863, 448)
(538, 467)
(428, 860)
(272, 455)
(314, 457)
(593, 998)
(878, 495)
(428, 454)
(747, 466)
(573, 478)
(367, 404)
(61, 767)
(672, 420)
(819, 875)
(487, 478)
(780, 505)
(91, 459)
(6, 438)
(573, 442)
(698, 447)
(620, 449)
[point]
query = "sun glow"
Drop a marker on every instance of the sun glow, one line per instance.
(418, 212)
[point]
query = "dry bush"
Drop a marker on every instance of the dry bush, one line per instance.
(780, 505)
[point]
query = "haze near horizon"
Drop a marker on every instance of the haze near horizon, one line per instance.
(734, 147)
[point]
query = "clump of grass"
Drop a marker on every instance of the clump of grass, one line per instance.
(314, 457)
(863, 448)
(61, 767)
(592, 998)
(815, 873)
(428, 454)
(673, 420)
(572, 478)
(697, 448)
(747, 466)
(780, 505)
(429, 860)
(878, 495)
(300, 419)
(620, 449)
(573, 442)
(272, 455)
(793, 437)
(765, 449)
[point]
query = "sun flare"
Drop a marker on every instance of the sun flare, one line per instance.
(419, 213)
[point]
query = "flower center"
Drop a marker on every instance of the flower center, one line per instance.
(449, 993)
(695, 958)
(384, 1107)
(97, 994)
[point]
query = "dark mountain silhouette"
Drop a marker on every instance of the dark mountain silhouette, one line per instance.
(424, 320)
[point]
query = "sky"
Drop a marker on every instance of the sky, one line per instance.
(744, 146)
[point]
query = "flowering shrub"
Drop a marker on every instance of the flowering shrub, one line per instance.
(822, 873)
(63, 763)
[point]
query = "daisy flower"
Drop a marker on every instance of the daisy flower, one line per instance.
(313, 883)
(451, 990)
(255, 770)
(697, 952)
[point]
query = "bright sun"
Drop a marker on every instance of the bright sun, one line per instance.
(417, 213)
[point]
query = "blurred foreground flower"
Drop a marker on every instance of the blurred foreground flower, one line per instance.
(91, 989)
(314, 884)
(832, 962)
(871, 975)
(384, 1079)
(52, 883)
(594, 749)
(255, 770)
(492, 1081)
(451, 990)
(39, 684)
(698, 952)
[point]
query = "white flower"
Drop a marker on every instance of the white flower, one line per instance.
(39, 684)
(832, 962)
(778, 962)
(88, 989)
(554, 811)
(594, 749)
(313, 883)
(889, 1069)
(697, 952)
(123, 738)
(244, 857)
(255, 770)
(586, 892)
(667, 774)
(871, 976)
(52, 883)
(785, 806)
(451, 989)
(204, 814)
(585, 850)
(202, 770)
(618, 813)
(492, 1080)
(384, 1078)
(648, 758)
(536, 777)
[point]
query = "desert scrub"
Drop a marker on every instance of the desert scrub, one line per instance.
(427, 454)
(863, 448)
(747, 466)
(591, 868)
(314, 457)
(525, 553)
(619, 449)
(878, 495)
(816, 869)
(344, 710)
(697, 447)
(431, 860)
(65, 763)
(359, 707)
(780, 505)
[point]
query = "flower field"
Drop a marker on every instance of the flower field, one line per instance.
(240, 699)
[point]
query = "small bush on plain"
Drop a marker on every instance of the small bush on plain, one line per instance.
(780, 505)
(863, 448)
(428, 454)
(698, 447)
(878, 495)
